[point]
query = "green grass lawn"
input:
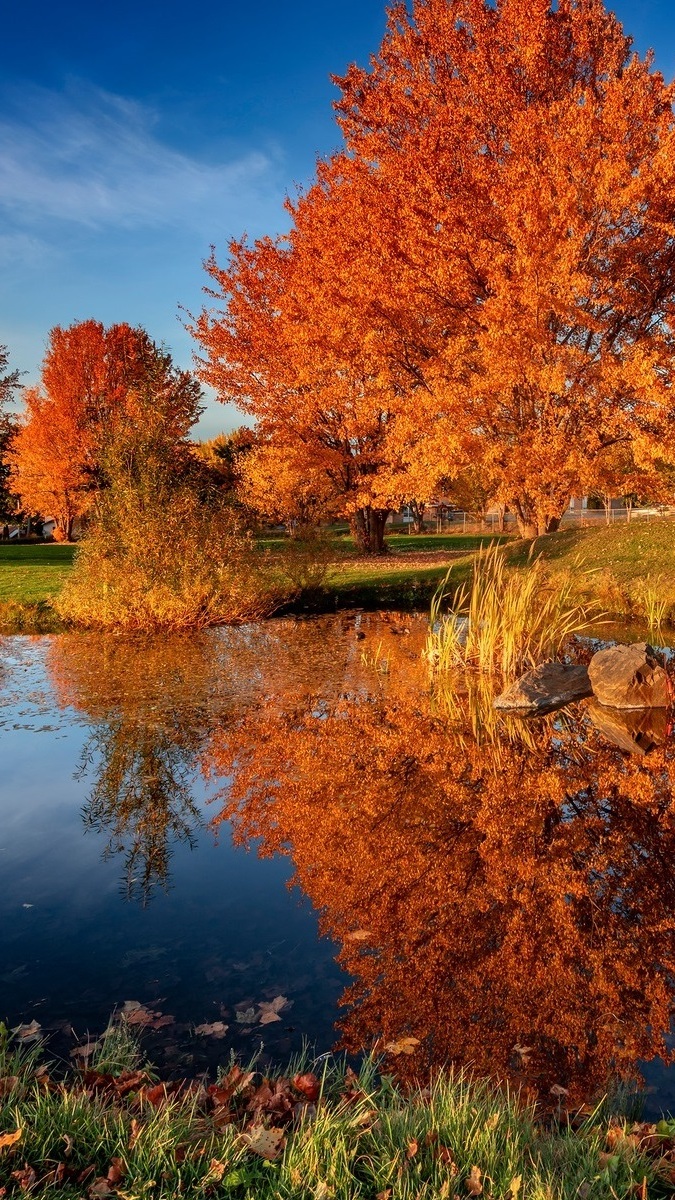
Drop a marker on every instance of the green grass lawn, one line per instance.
(616, 563)
(32, 572)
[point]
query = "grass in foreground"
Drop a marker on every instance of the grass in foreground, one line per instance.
(323, 1134)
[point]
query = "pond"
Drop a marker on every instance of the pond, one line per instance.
(280, 834)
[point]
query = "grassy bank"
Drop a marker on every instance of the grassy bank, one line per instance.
(630, 568)
(320, 1132)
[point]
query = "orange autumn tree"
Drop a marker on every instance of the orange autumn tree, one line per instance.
(289, 348)
(97, 387)
(529, 158)
(488, 269)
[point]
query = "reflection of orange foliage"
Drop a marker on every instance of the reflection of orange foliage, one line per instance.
(478, 908)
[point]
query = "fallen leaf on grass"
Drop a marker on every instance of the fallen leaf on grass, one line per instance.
(217, 1170)
(403, 1046)
(267, 1143)
(514, 1186)
(136, 1127)
(308, 1085)
(10, 1139)
(28, 1033)
(473, 1184)
(8, 1083)
(116, 1171)
(413, 1147)
(217, 1030)
(100, 1189)
(26, 1179)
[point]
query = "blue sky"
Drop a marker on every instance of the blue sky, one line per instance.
(134, 135)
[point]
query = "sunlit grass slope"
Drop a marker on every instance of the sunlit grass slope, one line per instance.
(29, 573)
(630, 568)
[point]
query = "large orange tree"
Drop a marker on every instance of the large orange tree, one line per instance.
(103, 394)
(487, 269)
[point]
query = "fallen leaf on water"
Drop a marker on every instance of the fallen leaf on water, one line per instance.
(267, 1143)
(403, 1046)
(28, 1033)
(270, 1010)
(159, 1022)
(131, 1006)
(217, 1030)
(140, 1016)
(246, 1016)
(473, 1184)
(10, 1139)
(268, 1017)
(85, 1051)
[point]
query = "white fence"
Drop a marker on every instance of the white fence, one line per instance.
(586, 518)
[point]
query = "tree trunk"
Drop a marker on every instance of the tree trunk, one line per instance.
(533, 524)
(417, 512)
(367, 526)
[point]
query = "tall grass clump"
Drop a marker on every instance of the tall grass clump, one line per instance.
(505, 621)
(110, 1130)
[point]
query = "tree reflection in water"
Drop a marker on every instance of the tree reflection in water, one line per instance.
(153, 704)
(147, 707)
(492, 885)
(513, 890)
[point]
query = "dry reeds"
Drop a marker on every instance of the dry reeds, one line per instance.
(506, 620)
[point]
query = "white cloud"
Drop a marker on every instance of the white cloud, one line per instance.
(94, 159)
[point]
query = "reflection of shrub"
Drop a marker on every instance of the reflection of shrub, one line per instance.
(166, 561)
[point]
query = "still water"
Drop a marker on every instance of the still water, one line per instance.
(283, 829)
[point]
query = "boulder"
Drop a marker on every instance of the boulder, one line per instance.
(629, 677)
(637, 730)
(545, 688)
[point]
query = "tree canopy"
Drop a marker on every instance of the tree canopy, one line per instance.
(106, 397)
(483, 279)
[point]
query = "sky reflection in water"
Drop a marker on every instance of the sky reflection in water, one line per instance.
(479, 885)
